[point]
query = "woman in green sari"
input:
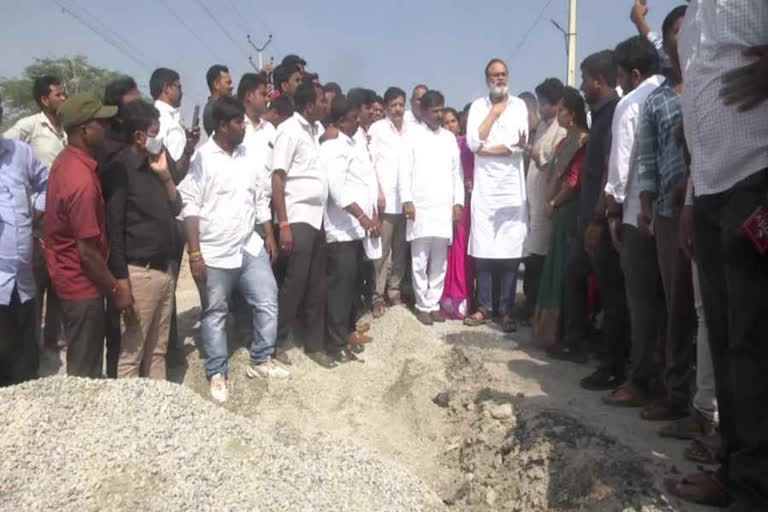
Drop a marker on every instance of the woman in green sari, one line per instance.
(562, 206)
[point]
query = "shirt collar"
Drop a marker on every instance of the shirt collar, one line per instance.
(165, 107)
(215, 148)
(601, 104)
(83, 156)
(252, 126)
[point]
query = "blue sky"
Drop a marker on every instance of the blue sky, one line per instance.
(442, 43)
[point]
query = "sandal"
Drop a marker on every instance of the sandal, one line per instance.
(703, 450)
(703, 488)
(480, 317)
(508, 323)
(689, 428)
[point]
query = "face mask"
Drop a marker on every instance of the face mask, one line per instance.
(154, 145)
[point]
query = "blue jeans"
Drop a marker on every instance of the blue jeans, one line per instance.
(506, 271)
(255, 281)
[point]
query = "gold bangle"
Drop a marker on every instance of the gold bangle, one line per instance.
(195, 254)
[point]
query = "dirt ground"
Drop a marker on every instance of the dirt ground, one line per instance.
(484, 418)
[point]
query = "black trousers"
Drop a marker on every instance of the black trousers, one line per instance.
(534, 267)
(302, 296)
(610, 280)
(647, 310)
(19, 353)
(85, 328)
(734, 286)
(344, 269)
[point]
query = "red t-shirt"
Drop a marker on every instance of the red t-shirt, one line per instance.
(74, 210)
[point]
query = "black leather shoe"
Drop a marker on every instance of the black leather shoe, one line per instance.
(424, 317)
(323, 359)
(344, 356)
(603, 379)
(563, 353)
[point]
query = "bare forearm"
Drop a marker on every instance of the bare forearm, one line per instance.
(95, 267)
(485, 127)
(278, 195)
(355, 211)
(192, 231)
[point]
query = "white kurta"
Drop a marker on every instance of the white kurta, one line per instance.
(537, 181)
(431, 179)
(499, 199)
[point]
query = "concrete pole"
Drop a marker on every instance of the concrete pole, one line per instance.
(572, 44)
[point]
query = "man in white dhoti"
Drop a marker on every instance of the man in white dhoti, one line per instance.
(497, 130)
(432, 191)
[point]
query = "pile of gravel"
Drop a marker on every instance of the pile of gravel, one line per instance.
(78, 444)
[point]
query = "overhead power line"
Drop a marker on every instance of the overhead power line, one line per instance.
(115, 43)
(114, 33)
(221, 27)
(189, 29)
(535, 23)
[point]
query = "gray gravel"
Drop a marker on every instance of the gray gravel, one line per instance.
(78, 444)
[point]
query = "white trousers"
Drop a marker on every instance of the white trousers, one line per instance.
(429, 263)
(704, 400)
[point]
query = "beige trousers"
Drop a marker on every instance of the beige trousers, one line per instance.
(145, 334)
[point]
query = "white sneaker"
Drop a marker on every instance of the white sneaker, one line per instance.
(267, 369)
(219, 388)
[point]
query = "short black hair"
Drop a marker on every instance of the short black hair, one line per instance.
(225, 109)
(550, 90)
(529, 98)
(602, 66)
(293, 60)
(161, 77)
(380, 100)
(333, 87)
(573, 101)
(432, 99)
(359, 96)
(340, 107)
(137, 116)
(451, 110)
(250, 82)
(392, 93)
(213, 74)
(493, 61)
(41, 87)
(305, 95)
(283, 105)
(637, 53)
(669, 22)
(116, 89)
(282, 74)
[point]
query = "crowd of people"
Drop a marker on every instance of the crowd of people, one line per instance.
(637, 208)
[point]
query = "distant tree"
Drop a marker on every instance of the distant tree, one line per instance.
(74, 72)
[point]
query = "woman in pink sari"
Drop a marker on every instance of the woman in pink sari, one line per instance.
(459, 280)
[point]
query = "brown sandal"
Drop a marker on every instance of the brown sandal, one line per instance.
(702, 488)
(689, 428)
(703, 450)
(478, 318)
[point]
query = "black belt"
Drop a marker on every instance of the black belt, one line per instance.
(154, 264)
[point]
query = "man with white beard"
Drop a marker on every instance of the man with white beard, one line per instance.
(497, 130)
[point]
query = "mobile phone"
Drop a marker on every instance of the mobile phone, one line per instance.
(196, 117)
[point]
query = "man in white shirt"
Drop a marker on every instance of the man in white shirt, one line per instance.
(350, 217)
(432, 191)
(722, 48)
(497, 128)
(637, 66)
(299, 194)
(43, 132)
(220, 195)
(414, 115)
(165, 88)
(386, 148)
